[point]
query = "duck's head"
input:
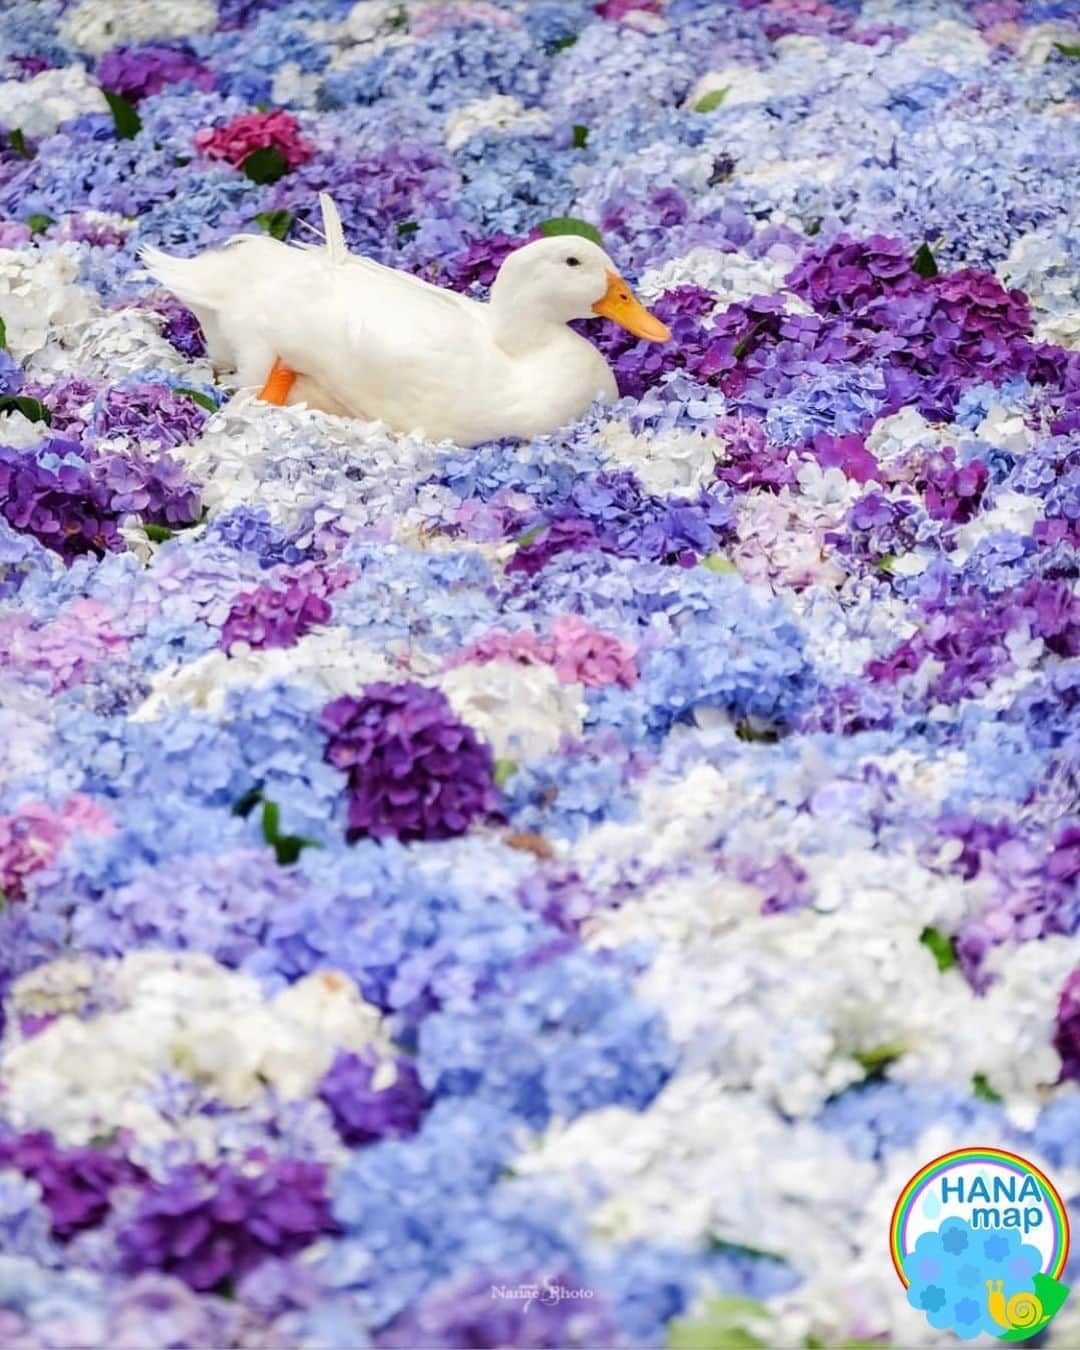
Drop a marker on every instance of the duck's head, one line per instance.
(568, 277)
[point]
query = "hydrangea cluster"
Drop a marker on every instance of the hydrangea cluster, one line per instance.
(414, 770)
(601, 867)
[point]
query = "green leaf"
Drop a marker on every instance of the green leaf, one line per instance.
(39, 222)
(581, 136)
(1066, 50)
(877, 1060)
(570, 225)
(738, 1249)
(271, 818)
(982, 1089)
(940, 947)
(3, 335)
(885, 562)
(524, 540)
(716, 562)
(17, 141)
(196, 396)
(812, 227)
(562, 44)
(746, 731)
(924, 263)
(724, 1325)
(248, 802)
(127, 121)
(266, 165)
(288, 847)
(30, 408)
(407, 228)
(158, 533)
(504, 771)
(713, 100)
(275, 223)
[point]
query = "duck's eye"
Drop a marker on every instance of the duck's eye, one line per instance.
(573, 262)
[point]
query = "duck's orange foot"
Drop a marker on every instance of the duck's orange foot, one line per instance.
(278, 383)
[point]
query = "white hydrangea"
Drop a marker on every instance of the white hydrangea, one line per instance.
(521, 711)
(39, 299)
(732, 276)
(891, 438)
(112, 346)
(38, 105)
(668, 462)
(501, 113)
(95, 26)
(947, 45)
(169, 1013)
(327, 660)
(1038, 40)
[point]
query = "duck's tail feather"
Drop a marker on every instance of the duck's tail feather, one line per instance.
(336, 249)
(210, 279)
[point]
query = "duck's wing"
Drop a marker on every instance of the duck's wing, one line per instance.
(335, 253)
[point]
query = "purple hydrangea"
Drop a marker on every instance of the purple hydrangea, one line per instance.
(415, 771)
(148, 412)
(613, 513)
(157, 489)
(69, 402)
(363, 1113)
(63, 505)
(11, 377)
(278, 616)
(136, 72)
(477, 265)
(76, 1183)
(209, 1226)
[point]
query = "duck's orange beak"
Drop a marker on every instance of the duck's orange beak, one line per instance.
(620, 304)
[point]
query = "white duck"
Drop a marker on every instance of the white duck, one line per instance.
(323, 326)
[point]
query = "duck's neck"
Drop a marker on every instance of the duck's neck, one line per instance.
(518, 326)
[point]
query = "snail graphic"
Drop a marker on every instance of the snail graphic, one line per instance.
(1022, 1310)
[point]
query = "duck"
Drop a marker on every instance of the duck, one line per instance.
(316, 324)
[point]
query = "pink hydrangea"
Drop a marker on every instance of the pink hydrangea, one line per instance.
(433, 17)
(585, 655)
(235, 141)
(619, 9)
(580, 653)
(68, 649)
(32, 837)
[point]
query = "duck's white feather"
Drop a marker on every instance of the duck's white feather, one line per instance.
(377, 343)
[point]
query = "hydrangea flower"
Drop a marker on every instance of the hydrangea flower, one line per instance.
(414, 771)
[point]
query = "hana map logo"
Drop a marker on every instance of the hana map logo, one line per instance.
(979, 1238)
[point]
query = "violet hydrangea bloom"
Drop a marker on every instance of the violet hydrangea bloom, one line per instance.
(415, 771)
(363, 1112)
(136, 72)
(76, 1183)
(1067, 1035)
(212, 1225)
(278, 616)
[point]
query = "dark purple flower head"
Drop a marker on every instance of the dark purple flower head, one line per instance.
(76, 1183)
(750, 461)
(639, 365)
(212, 1225)
(278, 616)
(156, 489)
(415, 770)
(952, 493)
(363, 1113)
(135, 72)
(62, 505)
(564, 534)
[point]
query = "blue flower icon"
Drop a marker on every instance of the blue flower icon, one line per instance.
(966, 1311)
(954, 1240)
(932, 1298)
(996, 1248)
